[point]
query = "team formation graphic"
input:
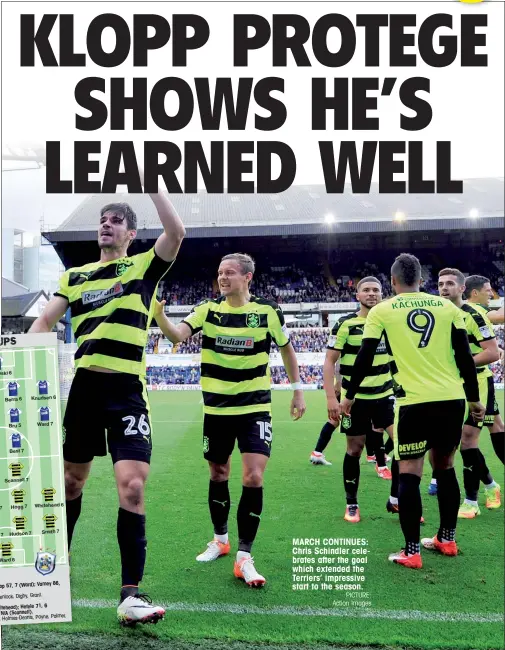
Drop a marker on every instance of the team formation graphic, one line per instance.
(32, 497)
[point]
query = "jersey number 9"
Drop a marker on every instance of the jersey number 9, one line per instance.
(425, 328)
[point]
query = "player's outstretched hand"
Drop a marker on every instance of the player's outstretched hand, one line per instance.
(477, 410)
(159, 307)
(346, 406)
(298, 407)
(333, 409)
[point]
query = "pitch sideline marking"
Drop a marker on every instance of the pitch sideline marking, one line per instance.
(286, 610)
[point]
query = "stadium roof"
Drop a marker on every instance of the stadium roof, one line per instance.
(18, 306)
(302, 209)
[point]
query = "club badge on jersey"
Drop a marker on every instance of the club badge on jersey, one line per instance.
(253, 320)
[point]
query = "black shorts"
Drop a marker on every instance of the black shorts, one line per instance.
(253, 433)
(106, 409)
(492, 407)
(378, 413)
(419, 427)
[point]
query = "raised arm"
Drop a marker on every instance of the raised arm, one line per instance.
(54, 310)
(168, 243)
(174, 333)
(497, 316)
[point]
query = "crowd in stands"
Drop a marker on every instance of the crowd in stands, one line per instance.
(304, 340)
(310, 339)
(497, 369)
(191, 375)
(308, 374)
(173, 375)
(153, 342)
(193, 345)
(336, 280)
(189, 292)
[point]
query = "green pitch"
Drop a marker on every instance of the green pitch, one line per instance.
(450, 603)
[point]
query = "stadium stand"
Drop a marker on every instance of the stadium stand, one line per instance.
(310, 249)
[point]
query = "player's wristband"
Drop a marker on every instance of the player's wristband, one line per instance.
(297, 385)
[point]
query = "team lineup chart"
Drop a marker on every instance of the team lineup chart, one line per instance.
(34, 568)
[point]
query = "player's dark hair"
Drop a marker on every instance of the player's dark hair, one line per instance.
(407, 269)
(456, 272)
(245, 262)
(124, 210)
(369, 278)
(474, 282)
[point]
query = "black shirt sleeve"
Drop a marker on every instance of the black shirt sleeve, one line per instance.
(465, 363)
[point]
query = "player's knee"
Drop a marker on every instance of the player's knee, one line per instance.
(470, 438)
(73, 485)
(132, 491)
(219, 473)
(355, 447)
(253, 478)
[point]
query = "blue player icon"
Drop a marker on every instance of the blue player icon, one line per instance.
(16, 441)
(44, 412)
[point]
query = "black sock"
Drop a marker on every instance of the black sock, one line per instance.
(380, 453)
(471, 472)
(219, 505)
(395, 473)
(248, 516)
(485, 475)
(371, 442)
(410, 507)
(73, 509)
(498, 441)
(448, 495)
(324, 437)
(351, 478)
(128, 591)
(388, 447)
(131, 536)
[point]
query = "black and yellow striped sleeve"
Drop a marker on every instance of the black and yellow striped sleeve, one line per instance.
(277, 326)
(341, 335)
(197, 316)
(62, 289)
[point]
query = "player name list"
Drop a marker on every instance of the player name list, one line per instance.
(332, 564)
(35, 600)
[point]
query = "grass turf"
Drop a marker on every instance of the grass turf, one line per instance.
(300, 501)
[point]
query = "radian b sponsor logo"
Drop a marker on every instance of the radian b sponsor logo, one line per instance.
(234, 342)
(99, 295)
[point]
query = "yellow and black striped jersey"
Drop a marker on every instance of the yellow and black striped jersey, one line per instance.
(235, 375)
(419, 327)
(111, 306)
(346, 337)
(479, 328)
